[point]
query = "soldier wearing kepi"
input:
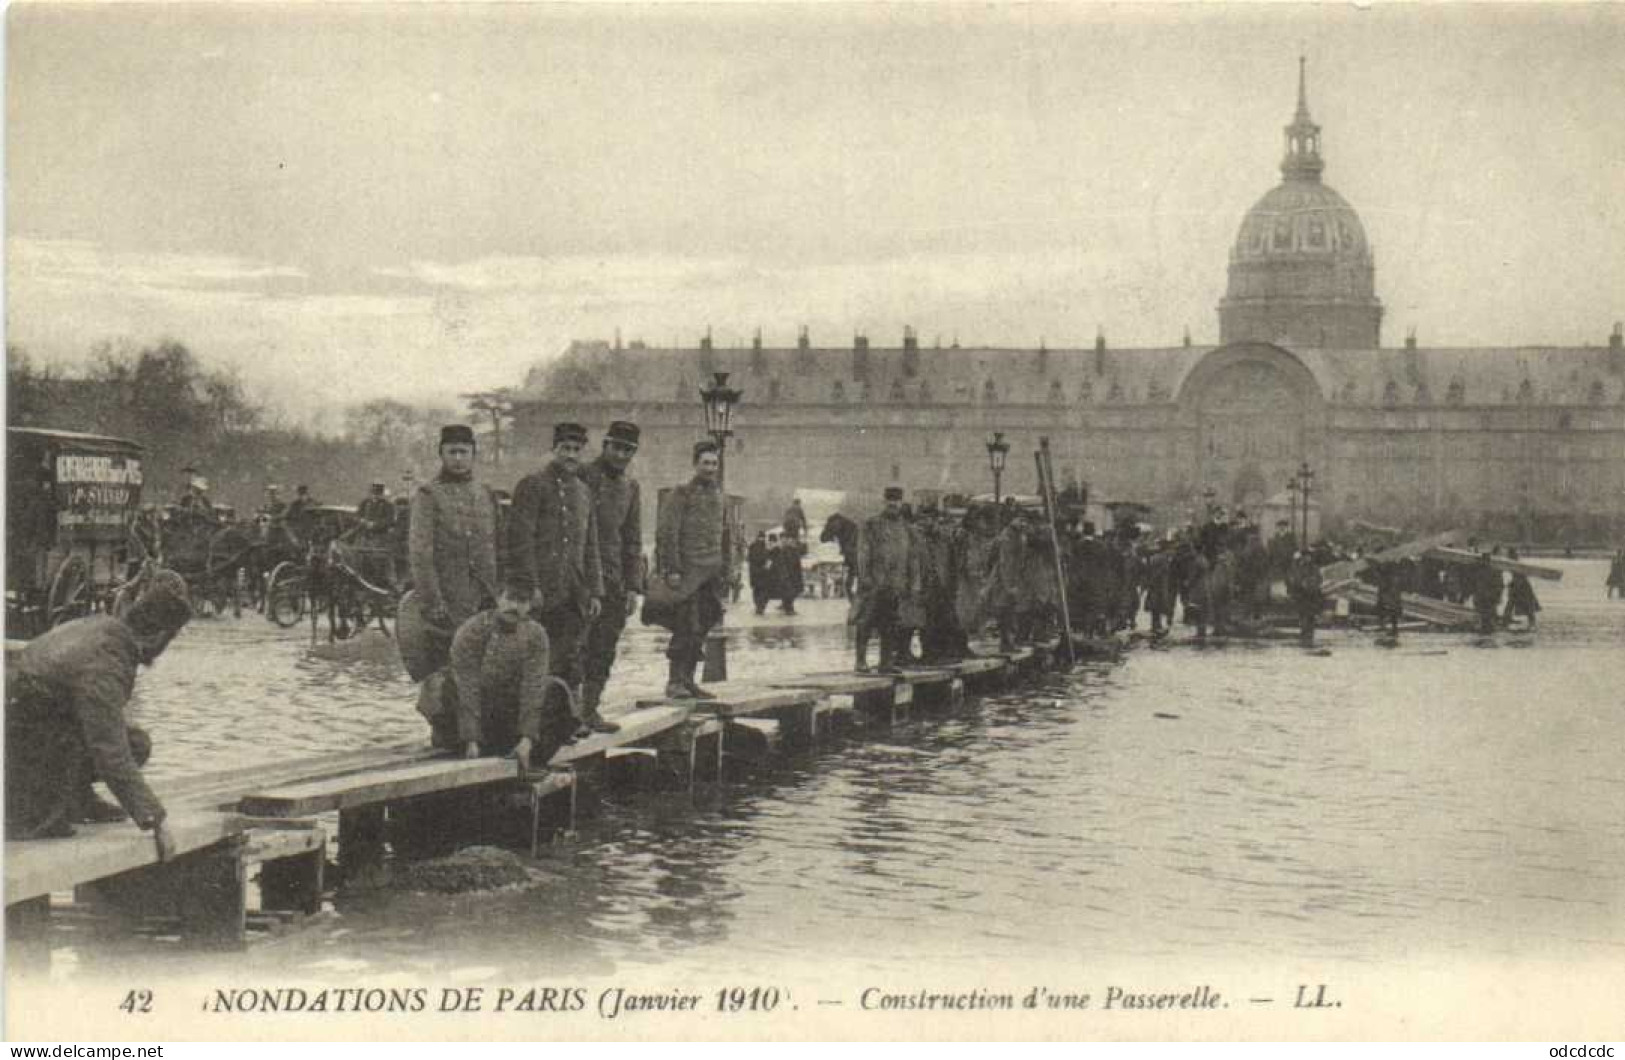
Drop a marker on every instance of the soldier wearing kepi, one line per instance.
(452, 555)
(692, 559)
(619, 511)
(888, 576)
(553, 556)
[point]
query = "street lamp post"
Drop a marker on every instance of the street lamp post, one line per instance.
(1292, 496)
(719, 400)
(1306, 480)
(997, 450)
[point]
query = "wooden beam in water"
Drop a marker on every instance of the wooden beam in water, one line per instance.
(40, 866)
(377, 786)
(752, 738)
(842, 684)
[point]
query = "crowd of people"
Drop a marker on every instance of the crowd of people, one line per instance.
(513, 621)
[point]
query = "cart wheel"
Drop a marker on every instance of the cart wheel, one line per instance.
(70, 592)
(285, 595)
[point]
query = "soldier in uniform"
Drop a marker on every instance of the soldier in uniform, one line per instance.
(66, 694)
(553, 555)
(888, 575)
(1304, 586)
(974, 553)
(452, 554)
(941, 637)
(693, 562)
(501, 664)
(618, 501)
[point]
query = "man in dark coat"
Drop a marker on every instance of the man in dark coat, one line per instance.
(785, 565)
(759, 559)
(888, 577)
(619, 513)
(66, 692)
(1305, 587)
(1390, 606)
(692, 559)
(1521, 599)
(1486, 588)
(553, 555)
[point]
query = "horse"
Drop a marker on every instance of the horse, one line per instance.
(844, 532)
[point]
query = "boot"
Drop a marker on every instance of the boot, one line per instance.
(676, 682)
(694, 690)
(591, 720)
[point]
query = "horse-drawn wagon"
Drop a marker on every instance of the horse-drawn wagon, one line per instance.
(71, 500)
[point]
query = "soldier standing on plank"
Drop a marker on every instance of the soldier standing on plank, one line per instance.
(553, 557)
(692, 559)
(619, 511)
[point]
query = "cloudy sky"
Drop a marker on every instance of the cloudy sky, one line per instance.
(420, 200)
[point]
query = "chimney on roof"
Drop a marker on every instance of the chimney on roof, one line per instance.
(1100, 351)
(803, 343)
(705, 343)
(911, 352)
(1043, 356)
(617, 338)
(758, 362)
(860, 357)
(1187, 339)
(1616, 350)
(1410, 339)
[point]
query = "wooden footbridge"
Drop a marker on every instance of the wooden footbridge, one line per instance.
(253, 844)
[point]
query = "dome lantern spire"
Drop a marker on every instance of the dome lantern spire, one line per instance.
(1302, 161)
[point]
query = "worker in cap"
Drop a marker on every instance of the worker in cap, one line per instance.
(67, 692)
(691, 569)
(554, 562)
(377, 518)
(452, 554)
(617, 507)
(888, 575)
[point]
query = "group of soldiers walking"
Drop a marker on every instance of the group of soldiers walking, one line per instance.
(944, 574)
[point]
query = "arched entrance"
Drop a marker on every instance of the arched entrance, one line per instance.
(1256, 413)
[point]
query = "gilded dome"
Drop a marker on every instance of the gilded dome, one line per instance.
(1301, 217)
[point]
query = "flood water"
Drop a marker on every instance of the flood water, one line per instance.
(1449, 797)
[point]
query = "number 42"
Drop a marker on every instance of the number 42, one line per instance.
(136, 1001)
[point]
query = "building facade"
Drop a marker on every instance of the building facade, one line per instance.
(1524, 444)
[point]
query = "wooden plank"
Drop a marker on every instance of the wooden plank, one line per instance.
(1501, 563)
(753, 738)
(226, 787)
(635, 725)
(41, 866)
(1333, 574)
(845, 684)
(269, 844)
(923, 675)
(377, 785)
(746, 700)
(1434, 612)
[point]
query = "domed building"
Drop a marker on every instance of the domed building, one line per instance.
(1301, 272)
(1517, 443)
